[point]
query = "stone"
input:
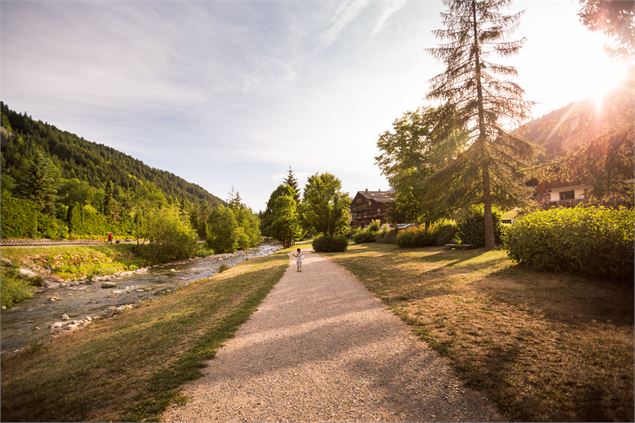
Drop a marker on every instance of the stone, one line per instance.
(26, 273)
(65, 317)
(89, 318)
(173, 270)
(5, 261)
(117, 291)
(108, 285)
(71, 327)
(57, 325)
(54, 298)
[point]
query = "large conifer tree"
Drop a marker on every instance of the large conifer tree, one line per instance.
(483, 98)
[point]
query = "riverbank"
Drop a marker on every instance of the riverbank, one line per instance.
(130, 367)
(543, 346)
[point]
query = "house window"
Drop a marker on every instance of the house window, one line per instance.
(567, 195)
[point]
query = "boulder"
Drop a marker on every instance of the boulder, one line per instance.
(26, 273)
(65, 317)
(108, 285)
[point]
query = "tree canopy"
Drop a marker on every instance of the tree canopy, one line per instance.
(325, 208)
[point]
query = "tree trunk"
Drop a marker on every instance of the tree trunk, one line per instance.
(482, 139)
(490, 241)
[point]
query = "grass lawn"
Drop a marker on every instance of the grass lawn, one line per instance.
(131, 367)
(543, 346)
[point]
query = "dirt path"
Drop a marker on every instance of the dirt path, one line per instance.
(321, 347)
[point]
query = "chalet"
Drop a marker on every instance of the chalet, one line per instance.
(560, 194)
(371, 205)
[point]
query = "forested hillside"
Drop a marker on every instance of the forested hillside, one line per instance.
(78, 158)
(566, 129)
(56, 184)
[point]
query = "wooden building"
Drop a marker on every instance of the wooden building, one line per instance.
(371, 205)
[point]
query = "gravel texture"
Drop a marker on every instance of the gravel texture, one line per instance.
(322, 348)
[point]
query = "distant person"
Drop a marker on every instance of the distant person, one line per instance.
(298, 259)
(110, 237)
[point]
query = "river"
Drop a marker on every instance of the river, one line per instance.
(83, 302)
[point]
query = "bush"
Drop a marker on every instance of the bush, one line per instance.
(171, 236)
(374, 225)
(586, 240)
(415, 236)
(13, 289)
(444, 233)
(364, 237)
(386, 236)
(327, 244)
(471, 226)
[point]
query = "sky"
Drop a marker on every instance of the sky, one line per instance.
(231, 93)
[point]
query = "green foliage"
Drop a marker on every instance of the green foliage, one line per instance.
(293, 183)
(417, 147)
(364, 236)
(444, 233)
(51, 227)
(325, 208)
(585, 240)
(221, 230)
(470, 226)
(19, 218)
(170, 234)
(281, 219)
(330, 244)
(415, 236)
(13, 289)
(38, 182)
(386, 235)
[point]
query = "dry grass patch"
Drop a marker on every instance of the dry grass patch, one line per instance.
(543, 346)
(130, 367)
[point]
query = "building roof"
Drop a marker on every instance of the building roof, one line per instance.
(379, 196)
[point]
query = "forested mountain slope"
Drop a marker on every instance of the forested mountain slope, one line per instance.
(567, 129)
(87, 161)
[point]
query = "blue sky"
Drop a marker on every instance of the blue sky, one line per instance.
(233, 93)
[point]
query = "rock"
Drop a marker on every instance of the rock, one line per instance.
(89, 318)
(173, 270)
(65, 317)
(71, 327)
(117, 291)
(57, 325)
(51, 284)
(108, 285)
(5, 261)
(54, 298)
(26, 273)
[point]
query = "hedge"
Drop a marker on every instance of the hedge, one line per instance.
(19, 217)
(593, 241)
(364, 237)
(326, 244)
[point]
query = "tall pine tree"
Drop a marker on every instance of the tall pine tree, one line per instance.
(482, 98)
(293, 183)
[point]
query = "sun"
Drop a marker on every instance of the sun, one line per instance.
(601, 78)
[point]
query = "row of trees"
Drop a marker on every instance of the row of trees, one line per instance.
(443, 158)
(322, 210)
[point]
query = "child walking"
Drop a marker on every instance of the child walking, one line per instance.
(298, 259)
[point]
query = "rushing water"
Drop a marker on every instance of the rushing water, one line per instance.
(32, 319)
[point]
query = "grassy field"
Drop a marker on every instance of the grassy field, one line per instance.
(131, 367)
(542, 346)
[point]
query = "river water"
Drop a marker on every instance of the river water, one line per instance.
(32, 319)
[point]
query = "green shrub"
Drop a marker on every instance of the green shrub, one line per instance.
(326, 244)
(586, 240)
(374, 226)
(415, 236)
(171, 235)
(222, 268)
(14, 289)
(471, 226)
(364, 237)
(444, 233)
(386, 236)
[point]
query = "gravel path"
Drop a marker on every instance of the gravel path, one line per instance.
(321, 347)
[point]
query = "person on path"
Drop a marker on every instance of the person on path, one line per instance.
(298, 259)
(110, 237)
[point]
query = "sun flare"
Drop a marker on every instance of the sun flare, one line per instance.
(601, 79)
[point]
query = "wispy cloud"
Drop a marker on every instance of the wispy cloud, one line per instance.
(391, 7)
(344, 15)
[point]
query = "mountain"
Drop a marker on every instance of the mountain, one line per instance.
(567, 129)
(87, 161)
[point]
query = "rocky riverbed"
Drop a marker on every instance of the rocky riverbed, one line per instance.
(64, 307)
